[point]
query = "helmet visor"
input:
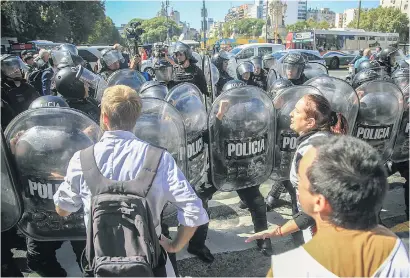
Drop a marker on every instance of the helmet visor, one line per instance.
(292, 71)
(12, 67)
(61, 57)
(112, 57)
(396, 57)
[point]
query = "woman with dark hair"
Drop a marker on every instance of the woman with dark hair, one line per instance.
(311, 118)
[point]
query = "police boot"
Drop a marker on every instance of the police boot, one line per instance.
(46, 268)
(273, 196)
(197, 245)
(257, 208)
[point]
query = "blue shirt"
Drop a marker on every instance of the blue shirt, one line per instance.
(357, 63)
(119, 156)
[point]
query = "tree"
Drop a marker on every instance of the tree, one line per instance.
(155, 29)
(247, 27)
(105, 33)
(310, 24)
(386, 20)
(59, 21)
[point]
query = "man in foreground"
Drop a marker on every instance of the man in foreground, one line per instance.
(120, 156)
(342, 184)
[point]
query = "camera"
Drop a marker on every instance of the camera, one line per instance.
(134, 31)
(160, 50)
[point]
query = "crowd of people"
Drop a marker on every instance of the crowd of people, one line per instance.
(116, 185)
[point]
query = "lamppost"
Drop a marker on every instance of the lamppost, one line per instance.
(358, 16)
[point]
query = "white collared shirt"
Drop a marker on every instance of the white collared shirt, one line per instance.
(119, 156)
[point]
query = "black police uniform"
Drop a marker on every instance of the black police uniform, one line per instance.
(218, 60)
(198, 78)
(260, 80)
(18, 97)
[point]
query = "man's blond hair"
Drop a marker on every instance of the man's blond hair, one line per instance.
(122, 105)
(367, 52)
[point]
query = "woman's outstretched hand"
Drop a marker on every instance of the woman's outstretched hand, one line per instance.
(264, 234)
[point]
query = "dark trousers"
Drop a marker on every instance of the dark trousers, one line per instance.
(171, 256)
(44, 252)
(250, 196)
(9, 267)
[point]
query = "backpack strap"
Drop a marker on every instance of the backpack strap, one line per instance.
(139, 186)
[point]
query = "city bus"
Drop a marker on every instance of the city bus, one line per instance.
(339, 46)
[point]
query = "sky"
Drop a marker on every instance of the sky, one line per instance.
(121, 12)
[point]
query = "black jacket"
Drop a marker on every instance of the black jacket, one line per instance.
(198, 78)
(19, 98)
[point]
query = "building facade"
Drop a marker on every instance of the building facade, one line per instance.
(402, 5)
(338, 20)
(348, 16)
(319, 15)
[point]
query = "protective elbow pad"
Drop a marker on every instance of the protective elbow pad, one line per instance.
(303, 221)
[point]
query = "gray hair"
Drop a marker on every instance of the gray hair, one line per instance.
(350, 174)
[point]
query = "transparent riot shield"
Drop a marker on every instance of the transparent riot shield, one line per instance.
(313, 69)
(93, 80)
(231, 69)
(241, 128)
(153, 89)
(381, 109)
(285, 140)
(185, 88)
(197, 57)
(193, 112)
(211, 76)
(43, 141)
(401, 145)
(162, 125)
(341, 96)
(127, 77)
(11, 203)
(272, 77)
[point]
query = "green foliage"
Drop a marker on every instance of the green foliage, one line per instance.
(307, 25)
(58, 21)
(247, 27)
(386, 20)
(155, 29)
(105, 33)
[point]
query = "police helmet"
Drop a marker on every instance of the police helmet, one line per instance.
(256, 61)
(233, 84)
(368, 64)
(68, 47)
(279, 85)
(153, 89)
(219, 58)
(184, 48)
(368, 75)
(293, 65)
(48, 101)
(68, 85)
(268, 61)
(110, 56)
(387, 55)
(243, 68)
(12, 66)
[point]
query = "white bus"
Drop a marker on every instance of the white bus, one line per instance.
(339, 46)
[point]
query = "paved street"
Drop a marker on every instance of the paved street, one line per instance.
(229, 227)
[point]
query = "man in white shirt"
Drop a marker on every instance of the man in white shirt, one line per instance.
(119, 156)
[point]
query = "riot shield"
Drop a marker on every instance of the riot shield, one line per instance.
(185, 88)
(272, 77)
(193, 112)
(127, 77)
(241, 128)
(93, 80)
(11, 203)
(401, 145)
(341, 96)
(380, 112)
(161, 124)
(231, 69)
(197, 57)
(211, 76)
(313, 69)
(285, 140)
(43, 141)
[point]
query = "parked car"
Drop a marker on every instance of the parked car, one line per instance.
(246, 51)
(335, 59)
(311, 55)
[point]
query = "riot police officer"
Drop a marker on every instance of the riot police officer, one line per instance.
(220, 60)
(277, 86)
(368, 64)
(185, 69)
(75, 93)
(293, 67)
(389, 57)
(368, 75)
(14, 89)
(41, 257)
(259, 76)
(401, 78)
(244, 72)
(110, 62)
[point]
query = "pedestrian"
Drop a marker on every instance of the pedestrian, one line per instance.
(120, 156)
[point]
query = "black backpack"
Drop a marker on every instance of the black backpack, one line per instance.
(121, 237)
